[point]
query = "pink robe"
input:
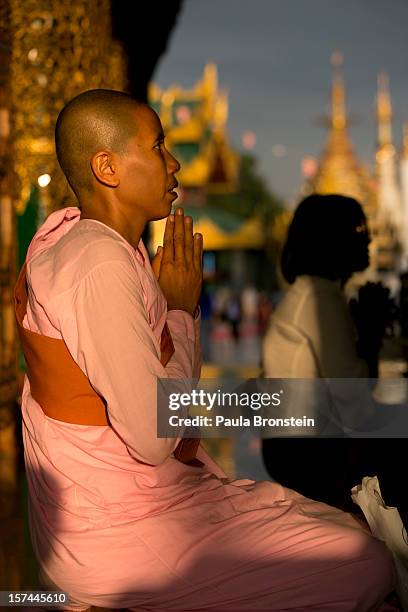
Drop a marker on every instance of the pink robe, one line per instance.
(115, 519)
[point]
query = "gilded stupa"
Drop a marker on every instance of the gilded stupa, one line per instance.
(340, 171)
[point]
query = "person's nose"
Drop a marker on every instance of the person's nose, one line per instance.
(173, 164)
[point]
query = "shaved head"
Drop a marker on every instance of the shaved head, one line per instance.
(96, 120)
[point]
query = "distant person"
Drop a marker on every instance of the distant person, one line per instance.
(311, 335)
(249, 302)
(264, 313)
(373, 313)
(403, 311)
(233, 314)
(206, 308)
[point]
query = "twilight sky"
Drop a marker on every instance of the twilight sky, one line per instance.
(274, 58)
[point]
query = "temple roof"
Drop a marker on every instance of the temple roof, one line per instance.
(194, 122)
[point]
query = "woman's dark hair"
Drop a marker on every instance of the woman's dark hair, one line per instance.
(321, 239)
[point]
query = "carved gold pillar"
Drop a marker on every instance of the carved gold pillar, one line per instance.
(8, 344)
(8, 364)
(60, 48)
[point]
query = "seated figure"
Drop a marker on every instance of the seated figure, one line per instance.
(119, 517)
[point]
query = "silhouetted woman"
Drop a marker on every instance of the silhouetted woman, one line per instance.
(311, 335)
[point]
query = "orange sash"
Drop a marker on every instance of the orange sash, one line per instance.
(59, 385)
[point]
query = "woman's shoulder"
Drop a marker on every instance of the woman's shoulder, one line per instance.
(317, 285)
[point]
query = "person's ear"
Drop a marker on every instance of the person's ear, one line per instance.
(105, 168)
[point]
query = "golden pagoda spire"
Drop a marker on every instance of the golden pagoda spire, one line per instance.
(384, 112)
(210, 77)
(338, 115)
(221, 111)
(404, 152)
(208, 87)
(339, 170)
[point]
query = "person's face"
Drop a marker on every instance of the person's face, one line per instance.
(147, 170)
